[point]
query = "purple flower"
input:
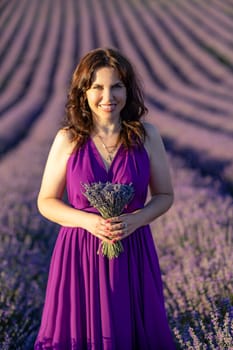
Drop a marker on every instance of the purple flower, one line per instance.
(110, 200)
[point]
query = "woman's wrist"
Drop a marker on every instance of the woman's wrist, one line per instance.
(157, 205)
(139, 217)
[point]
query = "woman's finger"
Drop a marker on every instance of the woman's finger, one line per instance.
(119, 228)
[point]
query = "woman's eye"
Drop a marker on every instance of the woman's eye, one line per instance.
(97, 87)
(118, 86)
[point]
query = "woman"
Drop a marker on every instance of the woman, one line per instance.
(93, 302)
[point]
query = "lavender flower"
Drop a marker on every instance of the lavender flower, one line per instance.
(110, 200)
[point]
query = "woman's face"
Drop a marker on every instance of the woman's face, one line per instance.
(107, 95)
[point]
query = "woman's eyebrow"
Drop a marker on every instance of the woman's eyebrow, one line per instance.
(119, 82)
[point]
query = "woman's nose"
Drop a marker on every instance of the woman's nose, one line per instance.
(107, 94)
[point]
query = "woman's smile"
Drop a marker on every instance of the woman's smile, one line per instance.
(108, 107)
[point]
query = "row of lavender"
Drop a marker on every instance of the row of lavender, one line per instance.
(194, 242)
(38, 82)
(190, 88)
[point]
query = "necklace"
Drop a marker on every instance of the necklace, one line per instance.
(109, 149)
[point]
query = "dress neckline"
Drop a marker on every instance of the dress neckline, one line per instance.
(100, 158)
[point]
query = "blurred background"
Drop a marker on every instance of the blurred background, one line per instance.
(183, 52)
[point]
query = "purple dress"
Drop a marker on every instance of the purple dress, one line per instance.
(93, 302)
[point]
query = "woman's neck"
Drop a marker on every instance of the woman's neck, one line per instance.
(107, 129)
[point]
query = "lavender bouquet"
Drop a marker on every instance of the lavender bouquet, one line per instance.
(110, 200)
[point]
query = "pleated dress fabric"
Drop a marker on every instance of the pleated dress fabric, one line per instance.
(97, 303)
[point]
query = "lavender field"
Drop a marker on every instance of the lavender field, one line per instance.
(183, 50)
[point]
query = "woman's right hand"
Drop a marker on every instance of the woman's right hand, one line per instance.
(99, 227)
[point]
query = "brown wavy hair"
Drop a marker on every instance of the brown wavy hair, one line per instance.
(78, 119)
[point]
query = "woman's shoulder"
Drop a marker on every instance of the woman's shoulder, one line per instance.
(153, 139)
(152, 133)
(63, 141)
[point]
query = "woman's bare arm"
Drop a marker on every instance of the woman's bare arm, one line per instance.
(160, 185)
(50, 203)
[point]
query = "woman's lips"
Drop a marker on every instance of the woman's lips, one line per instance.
(108, 107)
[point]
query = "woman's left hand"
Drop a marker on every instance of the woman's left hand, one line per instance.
(122, 226)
